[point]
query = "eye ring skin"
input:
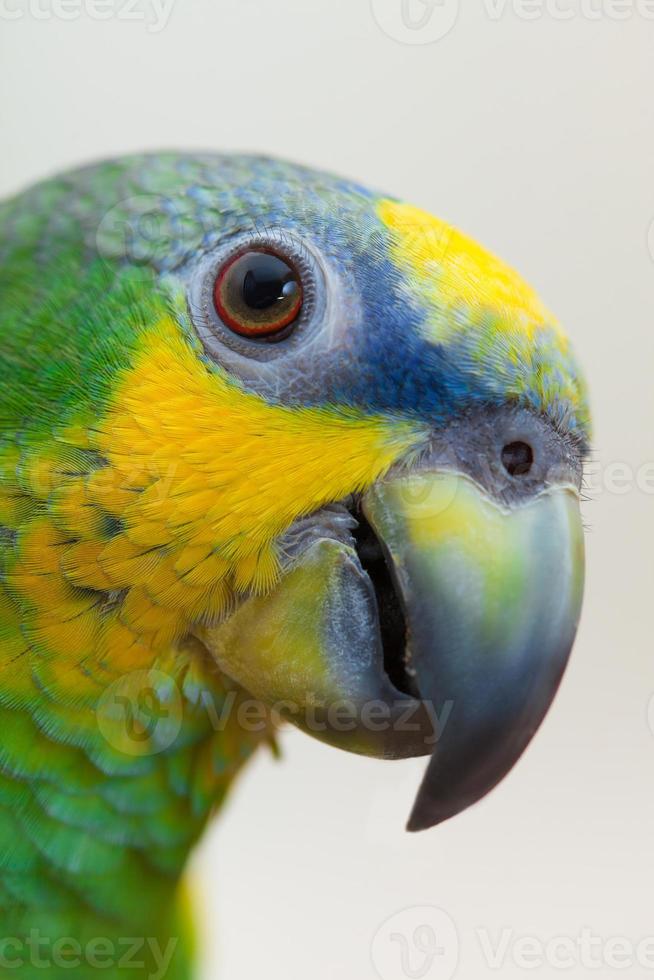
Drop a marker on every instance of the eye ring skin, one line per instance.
(218, 338)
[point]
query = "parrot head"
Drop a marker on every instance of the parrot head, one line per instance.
(312, 429)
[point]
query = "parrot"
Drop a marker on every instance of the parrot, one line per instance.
(274, 448)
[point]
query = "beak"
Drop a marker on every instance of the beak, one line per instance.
(451, 641)
(492, 597)
(312, 652)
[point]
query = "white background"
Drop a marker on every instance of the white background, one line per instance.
(537, 137)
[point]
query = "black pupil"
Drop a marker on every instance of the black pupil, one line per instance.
(267, 279)
(517, 458)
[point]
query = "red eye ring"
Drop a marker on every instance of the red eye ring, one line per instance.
(258, 293)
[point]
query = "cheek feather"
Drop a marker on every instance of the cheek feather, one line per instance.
(203, 476)
(133, 527)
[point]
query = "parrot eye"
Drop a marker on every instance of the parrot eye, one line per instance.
(517, 458)
(258, 297)
(258, 294)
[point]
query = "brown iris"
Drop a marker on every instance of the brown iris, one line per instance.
(258, 293)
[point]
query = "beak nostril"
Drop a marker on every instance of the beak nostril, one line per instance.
(517, 458)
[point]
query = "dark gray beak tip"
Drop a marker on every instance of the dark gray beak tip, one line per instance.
(460, 775)
(430, 813)
(431, 809)
(420, 821)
